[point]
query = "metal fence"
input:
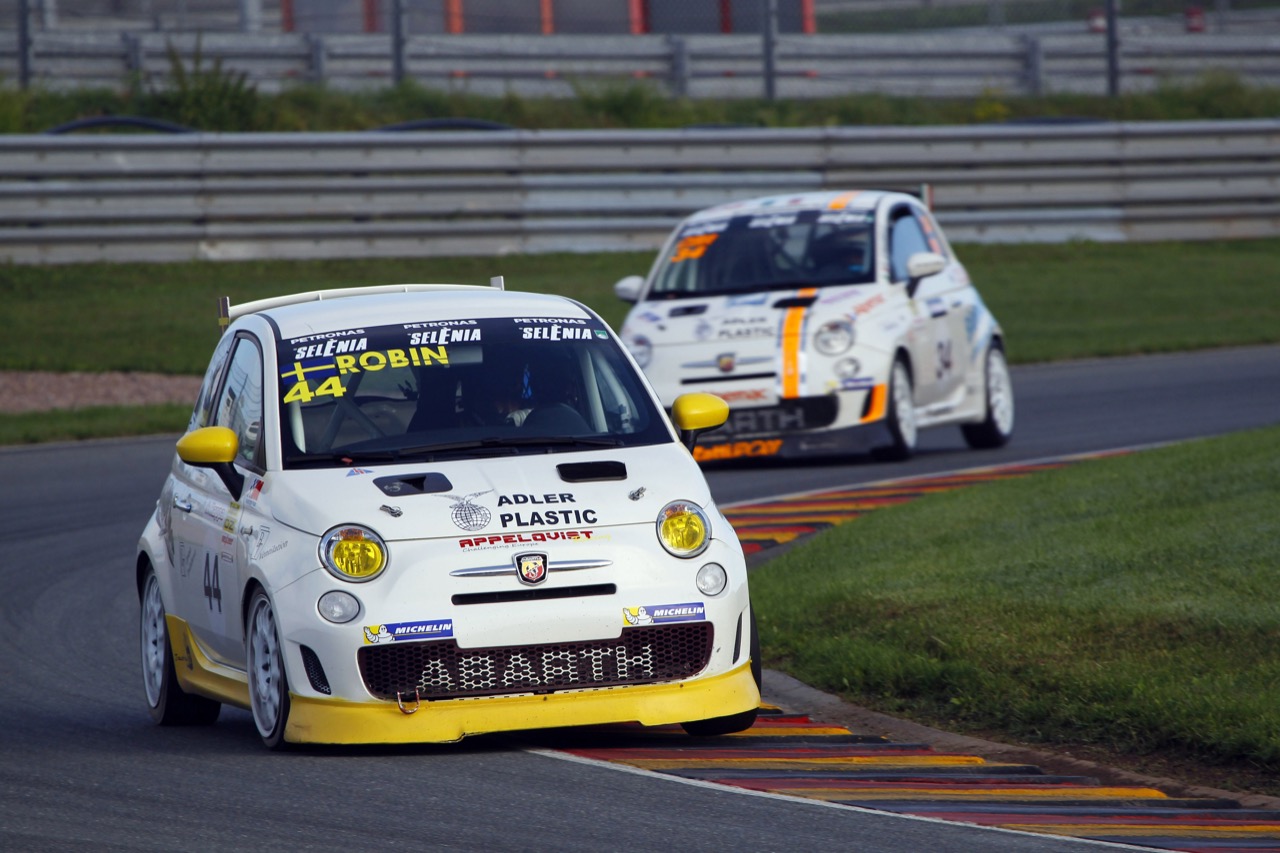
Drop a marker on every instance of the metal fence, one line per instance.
(694, 66)
(244, 196)
(896, 47)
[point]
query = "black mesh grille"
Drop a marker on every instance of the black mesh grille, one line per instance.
(439, 670)
(315, 672)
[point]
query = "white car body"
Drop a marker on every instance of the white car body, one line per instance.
(740, 304)
(522, 584)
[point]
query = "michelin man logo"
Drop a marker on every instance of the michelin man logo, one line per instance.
(637, 615)
(379, 636)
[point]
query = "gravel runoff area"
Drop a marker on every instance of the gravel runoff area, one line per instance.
(24, 391)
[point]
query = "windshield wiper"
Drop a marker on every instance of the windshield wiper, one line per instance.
(510, 443)
(497, 445)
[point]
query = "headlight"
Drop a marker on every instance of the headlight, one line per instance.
(834, 337)
(712, 579)
(353, 553)
(641, 350)
(683, 529)
(338, 606)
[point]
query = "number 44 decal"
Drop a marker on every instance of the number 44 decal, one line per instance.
(212, 586)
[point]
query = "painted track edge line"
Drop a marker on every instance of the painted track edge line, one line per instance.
(955, 472)
(786, 798)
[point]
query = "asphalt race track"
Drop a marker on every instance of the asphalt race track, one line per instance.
(82, 767)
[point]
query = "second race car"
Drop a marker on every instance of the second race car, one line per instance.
(831, 322)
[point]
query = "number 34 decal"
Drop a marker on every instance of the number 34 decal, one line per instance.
(944, 358)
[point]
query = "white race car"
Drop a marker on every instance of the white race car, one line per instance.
(414, 513)
(831, 322)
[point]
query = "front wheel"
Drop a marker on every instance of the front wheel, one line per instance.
(268, 687)
(901, 418)
(168, 703)
(996, 428)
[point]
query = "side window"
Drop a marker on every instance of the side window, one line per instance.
(240, 403)
(203, 412)
(906, 237)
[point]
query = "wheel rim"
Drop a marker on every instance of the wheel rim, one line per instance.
(904, 411)
(155, 637)
(266, 673)
(999, 392)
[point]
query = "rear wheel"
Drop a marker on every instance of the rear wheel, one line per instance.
(733, 722)
(997, 427)
(168, 703)
(268, 687)
(901, 417)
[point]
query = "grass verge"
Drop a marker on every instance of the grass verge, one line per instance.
(1062, 301)
(1124, 604)
(207, 97)
(95, 422)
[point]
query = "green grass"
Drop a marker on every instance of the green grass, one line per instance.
(1126, 603)
(95, 422)
(163, 317)
(210, 98)
(1055, 301)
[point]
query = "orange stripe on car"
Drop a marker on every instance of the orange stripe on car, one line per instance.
(841, 201)
(792, 344)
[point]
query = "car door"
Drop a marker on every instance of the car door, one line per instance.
(936, 338)
(208, 528)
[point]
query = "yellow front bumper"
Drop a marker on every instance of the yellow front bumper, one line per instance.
(314, 720)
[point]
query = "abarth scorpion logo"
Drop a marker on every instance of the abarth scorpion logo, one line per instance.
(467, 515)
(532, 568)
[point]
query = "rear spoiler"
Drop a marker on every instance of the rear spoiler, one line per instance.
(228, 312)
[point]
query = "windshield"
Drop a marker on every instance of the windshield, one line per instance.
(742, 254)
(448, 389)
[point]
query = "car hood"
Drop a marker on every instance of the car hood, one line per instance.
(754, 321)
(546, 493)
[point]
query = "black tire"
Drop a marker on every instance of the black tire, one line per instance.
(996, 428)
(731, 723)
(268, 684)
(900, 416)
(167, 702)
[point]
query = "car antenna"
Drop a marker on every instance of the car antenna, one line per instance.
(497, 281)
(224, 313)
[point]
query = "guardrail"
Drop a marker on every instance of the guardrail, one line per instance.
(240, 196)
(712, 66)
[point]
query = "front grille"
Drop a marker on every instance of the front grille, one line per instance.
(801, 413)
(441, 670)
(539, 594)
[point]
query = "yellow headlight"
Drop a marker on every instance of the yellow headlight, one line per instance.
(353, 553)
(683, 529)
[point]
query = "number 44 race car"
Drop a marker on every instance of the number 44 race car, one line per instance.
(831, 322)
(413, 513)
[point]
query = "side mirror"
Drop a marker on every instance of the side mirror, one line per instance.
(214, 448)
(694, 414)
(922, 265)
(628, 289)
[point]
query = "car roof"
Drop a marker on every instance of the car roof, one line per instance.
(300, 314)
(824, 200)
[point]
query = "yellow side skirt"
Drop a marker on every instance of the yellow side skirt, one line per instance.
(198, 674)
(338, 721)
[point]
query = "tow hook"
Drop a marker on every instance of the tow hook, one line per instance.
(417, 701)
